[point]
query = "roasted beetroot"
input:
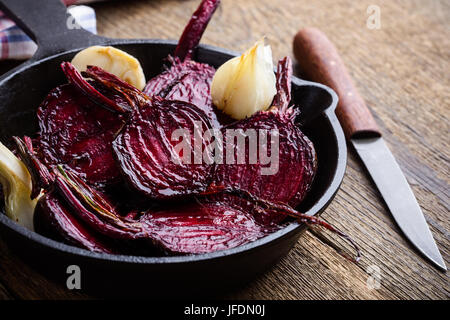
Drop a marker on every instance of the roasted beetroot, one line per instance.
(289, 175)
(147, 154)
(145, 150)
(205, 225)
(77, 132)
(292, 170)
(194, 227)
(79, 121)
(186, 79)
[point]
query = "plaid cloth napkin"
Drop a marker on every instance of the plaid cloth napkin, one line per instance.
(15, 44)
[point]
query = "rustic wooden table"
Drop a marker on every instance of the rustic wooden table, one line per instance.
(402, 71)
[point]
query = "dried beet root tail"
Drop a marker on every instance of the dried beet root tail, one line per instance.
(77, 80)
(93, 208)
(41, 178)
(303, 218)
(283, 84)
(194, 30)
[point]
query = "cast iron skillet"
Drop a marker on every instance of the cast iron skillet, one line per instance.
(21, 91)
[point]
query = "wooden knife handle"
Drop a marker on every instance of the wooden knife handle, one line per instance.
(320, 62)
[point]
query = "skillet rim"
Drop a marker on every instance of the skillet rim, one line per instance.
(319, 206)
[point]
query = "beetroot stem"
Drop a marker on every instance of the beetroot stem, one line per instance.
(41, 178)
(194, 30)
(87, 207)
(131, 94)
(75, 78)
(283, 83)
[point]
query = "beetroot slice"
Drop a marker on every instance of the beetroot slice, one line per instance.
(187, 81)
(192, 228)
(201, 227)
(296, 165)
(77, 126)
(77, 132)
(147, 154)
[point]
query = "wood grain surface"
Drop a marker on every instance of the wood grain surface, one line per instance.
(401, 71)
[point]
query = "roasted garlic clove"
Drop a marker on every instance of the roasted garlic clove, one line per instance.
(245, 84)
(114, 61)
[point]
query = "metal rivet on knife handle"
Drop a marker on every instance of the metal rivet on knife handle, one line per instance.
(320, 62)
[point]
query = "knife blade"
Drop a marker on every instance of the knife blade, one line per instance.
(320, 62)
(398, 195)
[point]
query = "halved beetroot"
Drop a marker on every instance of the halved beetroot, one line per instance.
(77, 132)
(188, 81)
(293, 165)
(189, 228)
(148, 154)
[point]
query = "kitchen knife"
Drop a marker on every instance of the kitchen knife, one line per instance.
(320, 62)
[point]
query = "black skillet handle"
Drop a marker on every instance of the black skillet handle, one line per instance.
(49, 24)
